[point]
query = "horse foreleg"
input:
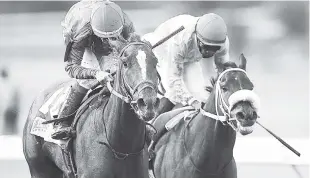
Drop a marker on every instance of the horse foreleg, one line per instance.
(230, 171)
(40, 166)
(44, 169)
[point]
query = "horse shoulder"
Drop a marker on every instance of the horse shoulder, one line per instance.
(92, 113)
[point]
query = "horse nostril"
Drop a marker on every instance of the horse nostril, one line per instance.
(240, 115)
(141, 103)
(254, 115)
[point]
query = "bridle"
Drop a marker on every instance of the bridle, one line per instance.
(219, 101)
(128, 98)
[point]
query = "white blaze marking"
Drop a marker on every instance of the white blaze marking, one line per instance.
(141, 56)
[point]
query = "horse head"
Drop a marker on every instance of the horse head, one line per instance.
(137, 76)
(235, 97)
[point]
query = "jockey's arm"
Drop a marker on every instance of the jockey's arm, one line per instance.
(75, 56)
(177, 91)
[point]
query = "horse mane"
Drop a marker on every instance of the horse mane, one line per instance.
(137, 38)
(134, 38)
(224, 66)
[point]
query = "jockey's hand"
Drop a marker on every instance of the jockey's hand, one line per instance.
(196, 104)
(103, 77)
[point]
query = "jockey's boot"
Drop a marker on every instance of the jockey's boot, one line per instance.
(150, 135)
(72, 103)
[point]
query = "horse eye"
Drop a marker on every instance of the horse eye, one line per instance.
(224, 89)
(113, 38)
(125, 64)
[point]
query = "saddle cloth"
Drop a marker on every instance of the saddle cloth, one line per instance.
(170, 119)
(49, 109)
(166, 122)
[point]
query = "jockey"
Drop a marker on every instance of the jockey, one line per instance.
(89, 29)
(187, 60)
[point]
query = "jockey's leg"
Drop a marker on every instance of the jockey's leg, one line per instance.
(72, 103)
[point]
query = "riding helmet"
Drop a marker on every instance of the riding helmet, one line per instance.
(107, 20)
(211, 29)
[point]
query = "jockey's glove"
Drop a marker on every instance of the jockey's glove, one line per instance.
(194, 103)
(103, 77)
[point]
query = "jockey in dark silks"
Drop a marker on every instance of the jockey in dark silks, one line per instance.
(90, 28)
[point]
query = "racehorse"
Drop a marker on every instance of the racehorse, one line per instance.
(201, 145)
(110, 136)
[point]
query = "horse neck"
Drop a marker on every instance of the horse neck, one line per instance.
(209, 142)
(125, 131)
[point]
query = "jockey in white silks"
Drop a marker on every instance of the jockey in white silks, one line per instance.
(187, 60)
(89, 29)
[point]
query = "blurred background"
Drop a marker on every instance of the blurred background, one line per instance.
(274, 37)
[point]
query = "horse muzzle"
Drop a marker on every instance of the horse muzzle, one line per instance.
(244, 105)
(147, 103)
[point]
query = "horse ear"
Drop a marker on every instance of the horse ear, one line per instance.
(243, 62)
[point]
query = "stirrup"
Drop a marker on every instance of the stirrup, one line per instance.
(151, 150)
(63, 134)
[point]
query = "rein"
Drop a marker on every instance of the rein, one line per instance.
(128, 98)
(226, 109)
(223, 118)
(120, 155)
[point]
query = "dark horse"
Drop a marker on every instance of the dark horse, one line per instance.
(202, 146)
(110, 139)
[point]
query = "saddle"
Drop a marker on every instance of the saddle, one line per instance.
(165, 123)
